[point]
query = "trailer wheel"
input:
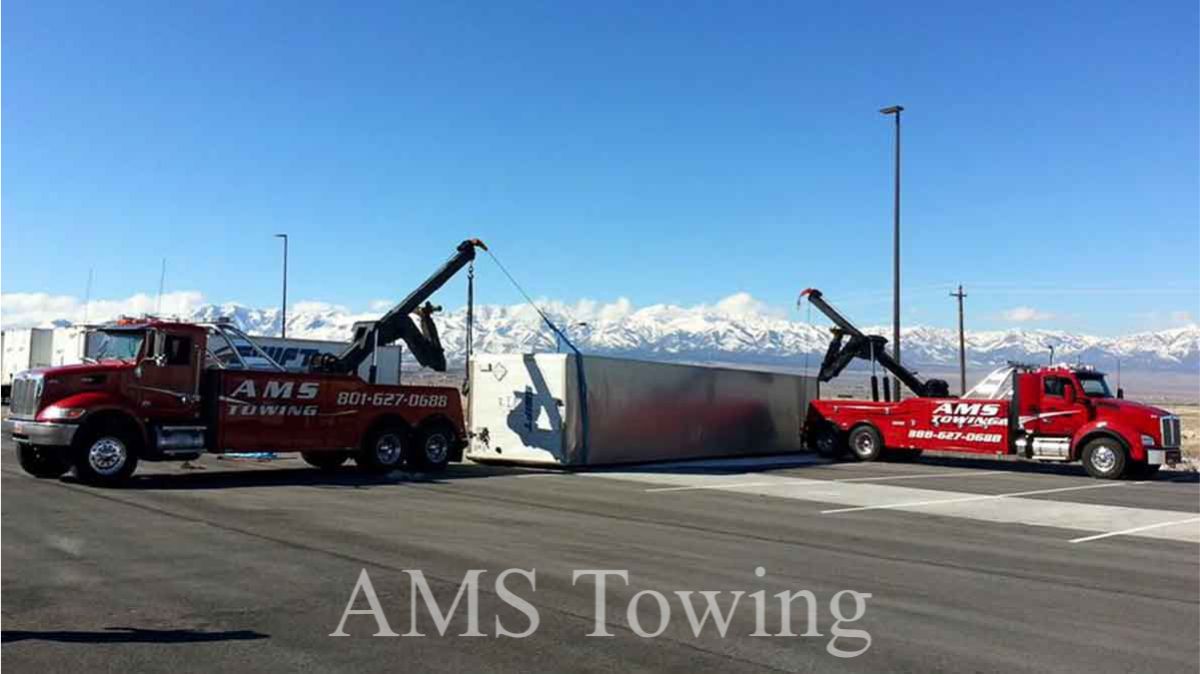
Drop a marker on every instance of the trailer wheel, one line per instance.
(829, 442)
(383, 451)
(326, 461)
(865, 443)
(106, 457)
(1104, 459)
(41, 462)
(433, 452)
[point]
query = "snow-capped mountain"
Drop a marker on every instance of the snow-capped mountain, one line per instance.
(735, 335)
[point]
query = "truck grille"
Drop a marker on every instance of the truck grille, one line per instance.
(1170, 431)
(26, 394)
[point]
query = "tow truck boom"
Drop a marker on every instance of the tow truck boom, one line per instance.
(397, 323)
(867, 347)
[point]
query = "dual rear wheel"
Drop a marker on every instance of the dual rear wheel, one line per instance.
(393, 447)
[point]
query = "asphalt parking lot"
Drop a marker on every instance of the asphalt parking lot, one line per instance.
(971, 565)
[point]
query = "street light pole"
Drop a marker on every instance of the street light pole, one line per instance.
(283, 324)
(896, 110)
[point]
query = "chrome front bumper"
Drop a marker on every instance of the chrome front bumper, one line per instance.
(43, 433)
(1158, 457)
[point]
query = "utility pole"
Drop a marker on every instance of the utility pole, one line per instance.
(283, 324)
(962, 342)
(896, 110)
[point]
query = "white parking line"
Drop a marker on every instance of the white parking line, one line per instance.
(984, 497)
(818, 481)
(1134, 530)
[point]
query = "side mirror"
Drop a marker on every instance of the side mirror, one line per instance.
(1069, 393)
(1120, 393)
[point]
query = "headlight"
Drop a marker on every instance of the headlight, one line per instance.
(60, 413)
(1148, 441)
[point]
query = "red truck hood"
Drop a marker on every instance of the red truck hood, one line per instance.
(83, 368)
(1119, 406)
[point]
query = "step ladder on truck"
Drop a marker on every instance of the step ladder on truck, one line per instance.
(1055, 413)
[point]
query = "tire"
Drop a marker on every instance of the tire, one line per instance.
(41, 462)
(433, 448)
(326, 461)
(828, 442)
(1105, 459)
(383, 451)
(865, 443)
(106, 457)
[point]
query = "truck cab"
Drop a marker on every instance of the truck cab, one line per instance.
(1071, 414)
(139, 390)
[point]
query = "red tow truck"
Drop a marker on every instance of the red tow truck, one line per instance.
(1045, 413)
(156, 390)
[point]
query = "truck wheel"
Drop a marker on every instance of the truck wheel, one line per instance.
(41, 462)
(865, 443)
(383, 451)
(105, 458)
(326, 461)
(829, 442)
(433, 453)
(1104, 459)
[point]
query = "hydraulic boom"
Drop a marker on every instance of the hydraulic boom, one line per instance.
(849, 343)
(397, 323)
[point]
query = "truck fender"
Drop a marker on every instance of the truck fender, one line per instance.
(101, 405)
(116, 415)
(1129, 439)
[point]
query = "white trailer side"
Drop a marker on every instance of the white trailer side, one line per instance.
(564, 410)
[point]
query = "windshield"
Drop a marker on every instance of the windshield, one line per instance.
(114, 345)
(1094, 386)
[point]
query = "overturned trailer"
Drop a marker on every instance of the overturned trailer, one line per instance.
(569, 410)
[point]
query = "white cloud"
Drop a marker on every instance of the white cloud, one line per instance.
(19, 310)
(1026, 315)
(744, 304)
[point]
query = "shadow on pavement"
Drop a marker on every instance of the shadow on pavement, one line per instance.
(344, 478)
(129, 635)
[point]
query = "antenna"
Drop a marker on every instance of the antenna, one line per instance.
(162, 277)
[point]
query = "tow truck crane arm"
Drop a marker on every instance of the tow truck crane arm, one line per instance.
(397, 323)
(867, 347)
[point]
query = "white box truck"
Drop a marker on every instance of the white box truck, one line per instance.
(23, 349)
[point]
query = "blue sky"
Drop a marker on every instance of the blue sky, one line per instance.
(644, 150)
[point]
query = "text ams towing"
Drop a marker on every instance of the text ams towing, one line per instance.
(1053, 413)
(162, 390)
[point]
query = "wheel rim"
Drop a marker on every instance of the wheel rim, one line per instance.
(387, 449)
(864, 444)
(1104, 458)
(107, 456)
(825, 443)
(436, 448)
